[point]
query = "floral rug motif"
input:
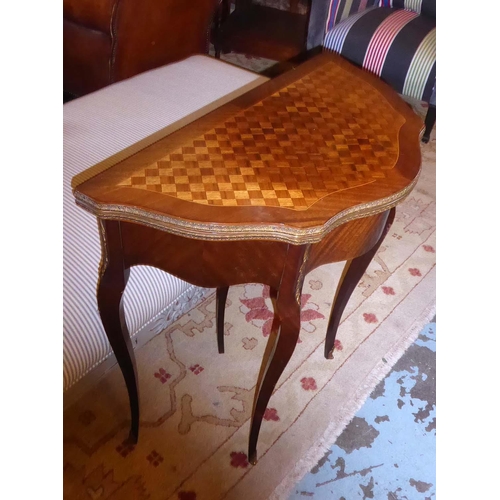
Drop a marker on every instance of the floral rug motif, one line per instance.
(196, 403)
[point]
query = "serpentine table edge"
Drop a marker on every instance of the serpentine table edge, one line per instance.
(304, 170)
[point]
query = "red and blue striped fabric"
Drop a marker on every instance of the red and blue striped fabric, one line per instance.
(341, 9)
(424, 7)
(396, 44)
(380, 42)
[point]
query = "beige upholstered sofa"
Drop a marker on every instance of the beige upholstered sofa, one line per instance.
(99, 129)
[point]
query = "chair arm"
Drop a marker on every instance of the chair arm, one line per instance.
(339, 10)
(327, 13)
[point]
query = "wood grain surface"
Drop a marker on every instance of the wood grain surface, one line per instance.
(301, 171)
(300, 154)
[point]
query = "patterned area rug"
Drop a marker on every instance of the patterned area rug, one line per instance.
(196, 403)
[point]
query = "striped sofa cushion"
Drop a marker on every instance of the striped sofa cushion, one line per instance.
(342, 9)
(424, 7)
(397, 45)
(101, 125)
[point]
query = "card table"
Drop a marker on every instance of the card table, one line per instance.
(304, 170)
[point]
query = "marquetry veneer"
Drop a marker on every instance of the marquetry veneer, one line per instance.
(303, 170)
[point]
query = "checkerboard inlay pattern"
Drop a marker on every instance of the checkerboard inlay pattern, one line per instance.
(327, 132)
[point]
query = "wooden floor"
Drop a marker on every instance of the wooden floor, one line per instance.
(372, 456)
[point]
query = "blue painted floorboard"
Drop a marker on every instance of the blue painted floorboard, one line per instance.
(388, 450)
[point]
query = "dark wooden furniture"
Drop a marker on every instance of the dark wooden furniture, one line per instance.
(261, 31)
(301, 171)
(105, 41)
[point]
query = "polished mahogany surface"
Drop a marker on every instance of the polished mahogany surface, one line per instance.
(302, 171)
(315, 137)
(298, 151)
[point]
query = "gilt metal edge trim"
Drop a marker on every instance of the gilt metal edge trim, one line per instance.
(211, 231)
(302, 275)
(104, 260)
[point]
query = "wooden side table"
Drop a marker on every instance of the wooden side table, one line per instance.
(301, 171)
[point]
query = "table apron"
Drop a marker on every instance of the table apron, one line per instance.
(347, 241)
(209, 264)
(214, 264)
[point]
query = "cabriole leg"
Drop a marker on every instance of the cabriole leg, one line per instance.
(112, 281)
(220, 306)
(282, 342)
(353, 271)
(430, 120)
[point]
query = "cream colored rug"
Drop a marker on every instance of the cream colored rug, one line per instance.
(196, 403)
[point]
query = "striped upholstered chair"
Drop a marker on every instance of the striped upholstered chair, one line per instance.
(394, 39)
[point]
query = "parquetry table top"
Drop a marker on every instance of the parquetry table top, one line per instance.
(305, 152)
(310, 165)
